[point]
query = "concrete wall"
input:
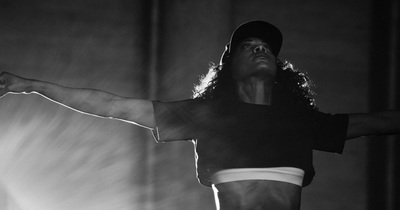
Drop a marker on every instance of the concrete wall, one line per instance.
(53, 156)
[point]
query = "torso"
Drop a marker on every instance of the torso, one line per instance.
(267, 137)
(257, 195)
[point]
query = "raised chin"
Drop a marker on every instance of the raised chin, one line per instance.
(264, 68)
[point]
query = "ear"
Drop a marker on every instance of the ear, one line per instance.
(225, 55)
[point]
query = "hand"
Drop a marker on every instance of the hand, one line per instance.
(10, 83)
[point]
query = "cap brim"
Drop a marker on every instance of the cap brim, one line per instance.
(258, 29)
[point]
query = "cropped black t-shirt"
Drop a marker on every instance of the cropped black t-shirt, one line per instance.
(241, 135)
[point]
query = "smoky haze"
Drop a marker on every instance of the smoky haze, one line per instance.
(53, 158)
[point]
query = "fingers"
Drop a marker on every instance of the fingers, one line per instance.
(3, 84)
(3, 80)
(3, 91)
(10, 83)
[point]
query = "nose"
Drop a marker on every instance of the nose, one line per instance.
(260, 48)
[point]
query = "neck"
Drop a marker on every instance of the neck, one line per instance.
(256, 91)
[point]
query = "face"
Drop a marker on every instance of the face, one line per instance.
(253, 58)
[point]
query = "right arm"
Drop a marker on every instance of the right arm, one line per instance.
(89, 101)
(378, 123)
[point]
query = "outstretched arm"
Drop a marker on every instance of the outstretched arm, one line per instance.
(90, 101)
(379, 123)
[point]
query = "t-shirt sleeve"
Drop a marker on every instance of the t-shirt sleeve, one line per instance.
(330, 131)
(174, 120)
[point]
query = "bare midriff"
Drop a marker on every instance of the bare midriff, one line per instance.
(257, 195)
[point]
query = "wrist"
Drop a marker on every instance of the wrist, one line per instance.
(30, 86)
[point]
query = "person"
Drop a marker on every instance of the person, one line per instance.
(253, 121)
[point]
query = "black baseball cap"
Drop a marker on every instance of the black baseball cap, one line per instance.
(258, 29)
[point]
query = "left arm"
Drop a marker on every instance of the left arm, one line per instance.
(378, 123)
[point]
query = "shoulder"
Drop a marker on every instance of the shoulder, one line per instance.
(186, 107)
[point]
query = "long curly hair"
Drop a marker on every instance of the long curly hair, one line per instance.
(293, 89)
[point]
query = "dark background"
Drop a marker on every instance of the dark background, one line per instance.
(52, 158)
